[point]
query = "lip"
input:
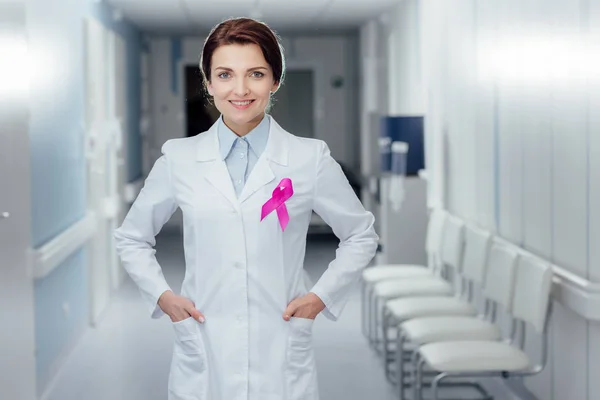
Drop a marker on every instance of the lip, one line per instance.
(242, 107)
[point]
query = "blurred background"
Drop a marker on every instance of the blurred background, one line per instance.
(498, 103)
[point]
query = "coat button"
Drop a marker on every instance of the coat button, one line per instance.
(239, 265)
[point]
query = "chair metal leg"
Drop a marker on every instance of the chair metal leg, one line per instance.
(371, 301)
(380, 336)
(419, 380)
(375, 326)
(435, 385)
(400, 340)
(369, 317)
(391, 346)
(390, 354)
(385, 319)
(413, 373)
(364, 312)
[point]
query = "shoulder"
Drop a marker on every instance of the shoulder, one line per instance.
(181, 148)
(308, 147)
(311, 149)
(298, 144)
(306, 143)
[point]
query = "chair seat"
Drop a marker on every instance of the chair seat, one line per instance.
(415, 286)
(474, 356)
(390, 271)
(449, 328)
(408, 308)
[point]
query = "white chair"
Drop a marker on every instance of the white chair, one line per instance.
(434, 285)
(478, 358)
(378, 273)
(498, 288)
(397, 311)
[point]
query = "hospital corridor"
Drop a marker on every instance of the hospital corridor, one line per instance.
(299, 200)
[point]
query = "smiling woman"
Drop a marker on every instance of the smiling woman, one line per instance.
(247, 189)
(242, 65)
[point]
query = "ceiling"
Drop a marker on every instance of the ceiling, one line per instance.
(185, 17)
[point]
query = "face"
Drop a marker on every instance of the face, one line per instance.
(241, 83)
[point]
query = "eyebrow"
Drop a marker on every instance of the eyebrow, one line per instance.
(249, 69)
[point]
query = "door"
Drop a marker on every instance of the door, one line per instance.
(294, 103)
(117, 150)
(200, 111)
(148, 141)
(97, 139)
(17, 337)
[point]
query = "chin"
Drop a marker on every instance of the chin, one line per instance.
(243, 118)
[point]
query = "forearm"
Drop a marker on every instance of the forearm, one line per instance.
(344, 272)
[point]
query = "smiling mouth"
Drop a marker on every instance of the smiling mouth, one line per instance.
(241, 103)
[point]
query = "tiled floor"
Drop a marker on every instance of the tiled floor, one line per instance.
(127, 356)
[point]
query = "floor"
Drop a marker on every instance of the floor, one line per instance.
(127, 356)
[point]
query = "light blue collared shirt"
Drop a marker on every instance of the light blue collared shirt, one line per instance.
(242, 153)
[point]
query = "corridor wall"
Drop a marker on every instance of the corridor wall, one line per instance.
(58, 181)
(510, 90)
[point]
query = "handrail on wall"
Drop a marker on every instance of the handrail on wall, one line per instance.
(574, 292)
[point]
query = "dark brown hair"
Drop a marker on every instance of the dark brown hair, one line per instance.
(244, 31)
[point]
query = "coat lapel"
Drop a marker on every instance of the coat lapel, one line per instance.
(216, 171)
(217, 174)
(275, 152)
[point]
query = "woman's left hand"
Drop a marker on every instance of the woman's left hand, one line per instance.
(308, 306)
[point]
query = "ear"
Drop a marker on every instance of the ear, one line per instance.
(209, 88)
(274, 87)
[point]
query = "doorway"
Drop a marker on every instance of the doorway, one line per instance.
(117, 149)
(200, 111)
(293, 105)
(105, 118)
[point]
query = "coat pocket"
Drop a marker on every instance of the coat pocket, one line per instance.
(188, 378)
(301, 375)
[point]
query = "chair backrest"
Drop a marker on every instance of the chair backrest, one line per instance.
(453, 243)
(477, 250)
(499, 284)
(435, 229)
(532, 291)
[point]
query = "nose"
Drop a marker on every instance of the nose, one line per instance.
(241, 87)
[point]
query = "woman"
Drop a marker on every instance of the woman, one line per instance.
(247, 189)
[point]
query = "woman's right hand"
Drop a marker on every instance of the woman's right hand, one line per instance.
(178, 307)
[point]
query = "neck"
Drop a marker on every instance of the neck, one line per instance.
(243, 129)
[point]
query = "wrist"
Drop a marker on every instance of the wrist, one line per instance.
(317, 299)
(163, 296)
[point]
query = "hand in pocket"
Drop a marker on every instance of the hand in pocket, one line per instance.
(308, 306)
(179, 308)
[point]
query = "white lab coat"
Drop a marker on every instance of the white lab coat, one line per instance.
(242, 272)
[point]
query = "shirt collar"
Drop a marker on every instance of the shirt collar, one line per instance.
(256, 138)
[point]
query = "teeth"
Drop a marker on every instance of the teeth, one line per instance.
(242, 103)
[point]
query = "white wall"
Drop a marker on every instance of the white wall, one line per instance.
(58, 164)
(510, 90)
(373, 102)
(337, 120)
(393, 87)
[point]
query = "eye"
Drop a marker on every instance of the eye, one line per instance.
(223, 73)
(258, 74)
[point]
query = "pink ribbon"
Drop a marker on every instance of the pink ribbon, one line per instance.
(281, 193)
